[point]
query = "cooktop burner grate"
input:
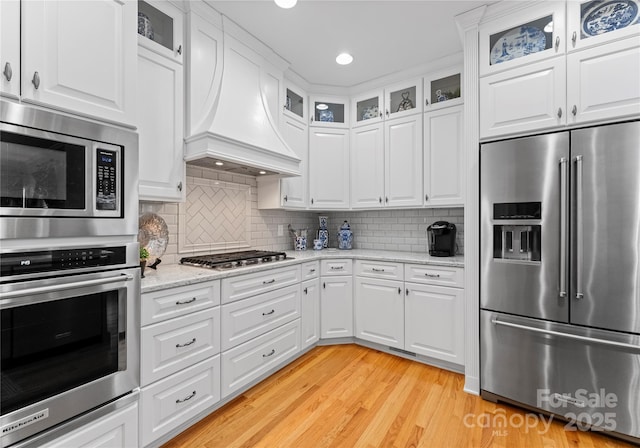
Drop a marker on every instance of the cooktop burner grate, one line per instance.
(232, 260)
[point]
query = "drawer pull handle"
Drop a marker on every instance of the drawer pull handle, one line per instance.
(270, 312)
(432, 275)
(271, 353)
(399, 290)
(193, 299)
(312, 271)
(192, 341)
(337, 268)
(406, 291)
(306, 291)
(377, 270)
(182, 400)
(268, 282)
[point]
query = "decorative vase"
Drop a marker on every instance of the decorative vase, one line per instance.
(345, 237)
(143, 264)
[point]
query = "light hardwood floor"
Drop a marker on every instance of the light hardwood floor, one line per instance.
(351, 396)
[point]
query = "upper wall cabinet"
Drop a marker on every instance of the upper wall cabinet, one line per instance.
(80, 57)
(329, 111)
(402, 99)
(595, 22)
(10, 47)
(295, 102)
(367, 108)
(160, 28)
(527, 36)
(443, 89)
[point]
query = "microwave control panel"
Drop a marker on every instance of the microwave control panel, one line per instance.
(106, 180)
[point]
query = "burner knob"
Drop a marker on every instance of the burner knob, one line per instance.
(243, 263)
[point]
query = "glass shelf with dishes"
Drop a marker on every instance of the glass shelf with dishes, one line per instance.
(160, 27)
(595, 22)
(295, 102)
(367, 108)
(329, 111)
(403, 99)
(443, 89)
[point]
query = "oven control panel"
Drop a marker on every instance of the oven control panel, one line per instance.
(58, 260)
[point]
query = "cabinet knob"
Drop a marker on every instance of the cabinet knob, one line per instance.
(179, 50)
(180, 186)
(36, 80)
(8, 73)
(324, 285)
(559, 112)
(312, 201)
(574, 37)
(557, 42)
(406, 291)
(426, 197)
(306, 291)
(574, 110)
(380, 199)
(387, 112)
(286, 198)
(399, 290)
(386, 199)
(426, 102)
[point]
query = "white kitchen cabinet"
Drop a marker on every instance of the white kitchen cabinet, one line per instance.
(295, 105)
(591, 23)
(379, 269)
(81, 57)
(328, 168)
(444, 172)
(248, 285)
(10, 48)
(336, 298)
(166, 33)
(166, 304)
(443, 89)
(603, 82)
(329, 111)
(379, 311)
(160, 127)
(367, 166)
(310, 321)
(403, 162)
(367, 108)
(403, 99)
(527, 98)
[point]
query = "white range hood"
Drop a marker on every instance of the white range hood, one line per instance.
(242, 133)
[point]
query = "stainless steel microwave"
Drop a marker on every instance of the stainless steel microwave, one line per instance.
(61, 176)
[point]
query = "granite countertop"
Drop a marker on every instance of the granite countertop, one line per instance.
(168, 276)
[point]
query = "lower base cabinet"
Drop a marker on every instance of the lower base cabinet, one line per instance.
(379, 310)
(310, 321)
(336, 307)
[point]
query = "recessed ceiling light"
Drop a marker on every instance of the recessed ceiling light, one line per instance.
(219, 163)
(344, 59)
(322, 106)
(262, 172)
(286, 4)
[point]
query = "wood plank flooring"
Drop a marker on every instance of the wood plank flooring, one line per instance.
(352, 396)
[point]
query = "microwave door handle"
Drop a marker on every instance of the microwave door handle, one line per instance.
(64, 287)
(564, 193)
(579, 228)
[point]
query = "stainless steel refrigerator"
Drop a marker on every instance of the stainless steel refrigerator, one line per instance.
(560, 274)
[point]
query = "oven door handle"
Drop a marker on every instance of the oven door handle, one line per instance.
(66, 286)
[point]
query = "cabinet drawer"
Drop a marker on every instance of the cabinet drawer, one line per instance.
(243, 286)
(310, 270)
(172, 401)
(174, 302)
(338, 266)
(173, 345)
(379, 269)
(434, 275)
(248, 361)
(245, 319)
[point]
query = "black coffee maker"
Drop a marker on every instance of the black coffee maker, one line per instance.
(442, 239)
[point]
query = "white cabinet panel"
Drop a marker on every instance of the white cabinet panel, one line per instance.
(296, 134)
(310, 269)
(168, 32)
(174, 302)
(367, 166)
(379, 269)
(10, 48)
(527, 98)
(174, 400)
(403, 162)
(444, 172)
(243, 286)
(434, 275)
(337, 266)
(604, 82)
(160, 126)
(328, 168)
(81, 57)
(245, 319)
(310, 321)
(379, 311)
(434, 318)
(336, 307)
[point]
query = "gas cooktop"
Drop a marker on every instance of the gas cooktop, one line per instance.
(232, 260)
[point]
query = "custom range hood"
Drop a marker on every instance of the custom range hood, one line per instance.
(237, 128)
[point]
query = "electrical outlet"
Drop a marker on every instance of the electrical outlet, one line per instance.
(280, 230)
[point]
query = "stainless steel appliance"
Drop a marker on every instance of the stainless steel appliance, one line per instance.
(560, 274)
(230, 260)
(69, 272)
(442, 239)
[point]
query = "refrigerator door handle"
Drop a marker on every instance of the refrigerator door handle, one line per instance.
(624, 345)
(579, 228)
(564, 192)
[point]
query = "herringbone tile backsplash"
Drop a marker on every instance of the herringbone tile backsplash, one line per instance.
(221, 214)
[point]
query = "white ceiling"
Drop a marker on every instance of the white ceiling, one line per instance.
(383, 36)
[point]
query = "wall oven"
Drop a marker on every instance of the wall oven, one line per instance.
(69, 271)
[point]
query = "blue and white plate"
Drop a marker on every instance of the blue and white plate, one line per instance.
(518, 42)
(601, 16)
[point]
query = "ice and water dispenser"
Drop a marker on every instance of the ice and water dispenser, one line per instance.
(513, 240)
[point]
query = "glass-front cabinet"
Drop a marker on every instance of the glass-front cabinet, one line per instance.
(295, 105)
(367, 108)
(403, 98)
(443, 89)
(329, 111)
(594, 22)
(531, 35)
(160, 28)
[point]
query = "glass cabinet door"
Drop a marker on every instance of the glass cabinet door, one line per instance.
(443, 89)
(160, 28)
(329, 111)
(367, 108)
(527, 36)
(596, 21)
(295, 103)
(403, 99)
